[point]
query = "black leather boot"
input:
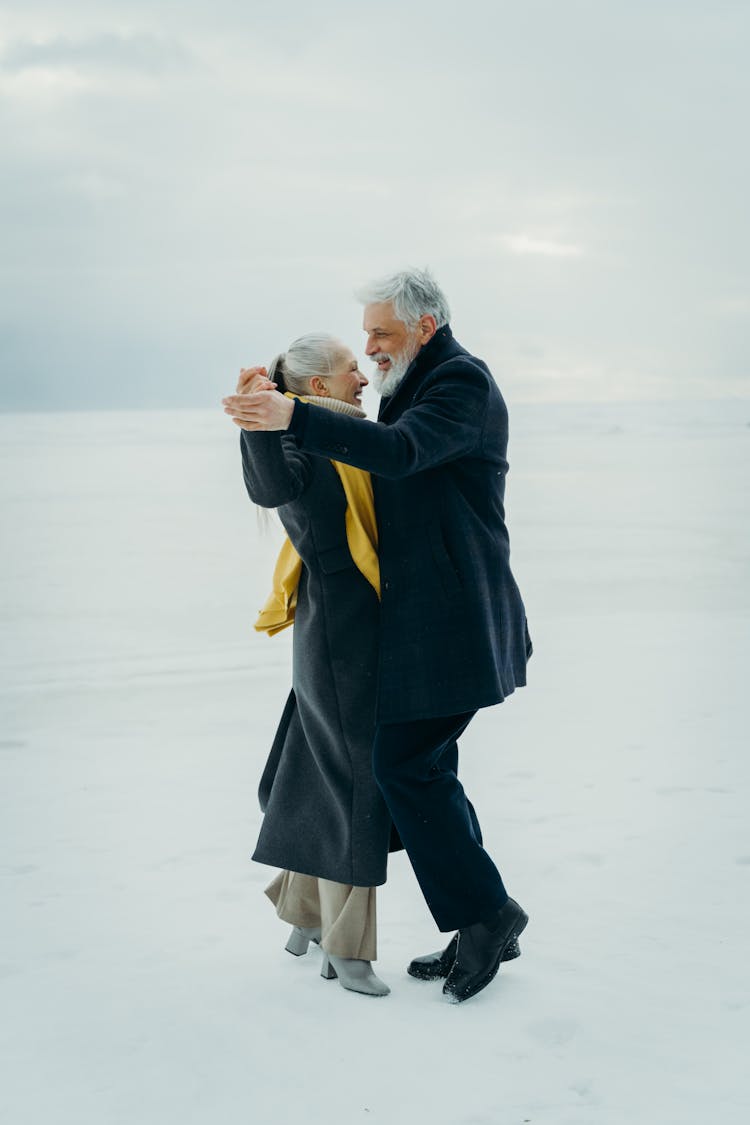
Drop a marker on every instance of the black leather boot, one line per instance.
(436, 966)
(481, 948)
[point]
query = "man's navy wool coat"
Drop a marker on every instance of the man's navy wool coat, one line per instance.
(453, 633)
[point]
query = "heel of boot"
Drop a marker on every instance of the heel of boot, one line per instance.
(300, 938)
(298, 944)
(512, 950)
(327, 970)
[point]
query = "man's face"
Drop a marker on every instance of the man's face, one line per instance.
(390, 345)
(387, 336)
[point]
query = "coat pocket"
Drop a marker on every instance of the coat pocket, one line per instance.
(448, 576)
(334, 559)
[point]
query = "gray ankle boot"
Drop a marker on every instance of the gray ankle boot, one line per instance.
(357, 976)
(300, 938)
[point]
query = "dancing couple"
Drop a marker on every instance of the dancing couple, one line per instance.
(395, 575)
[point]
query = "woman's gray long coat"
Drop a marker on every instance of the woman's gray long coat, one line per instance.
(324, 814)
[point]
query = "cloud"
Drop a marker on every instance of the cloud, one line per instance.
(544, 247)
(734, 306)
(48, 68)
(186, 187)
(43, 82)
(141, 52)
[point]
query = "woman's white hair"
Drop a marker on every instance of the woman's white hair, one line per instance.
(313, 354)
(414, 294)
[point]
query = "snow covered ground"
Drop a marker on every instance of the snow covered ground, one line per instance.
(143, 979)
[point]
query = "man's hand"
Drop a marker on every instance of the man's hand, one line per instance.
(260, 410)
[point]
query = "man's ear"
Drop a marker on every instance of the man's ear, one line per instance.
(426, 328)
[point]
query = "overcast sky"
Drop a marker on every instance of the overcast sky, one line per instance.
(188, 186)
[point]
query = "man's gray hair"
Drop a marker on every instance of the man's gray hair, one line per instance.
(414, 294)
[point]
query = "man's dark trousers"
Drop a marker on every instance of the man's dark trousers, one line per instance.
(415, 765)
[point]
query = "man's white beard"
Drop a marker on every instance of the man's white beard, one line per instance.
(387, 384)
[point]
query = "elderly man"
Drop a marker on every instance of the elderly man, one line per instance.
(453, 626)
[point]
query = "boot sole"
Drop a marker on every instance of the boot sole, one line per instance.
(436, 971)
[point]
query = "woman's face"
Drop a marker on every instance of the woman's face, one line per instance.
(347, 381)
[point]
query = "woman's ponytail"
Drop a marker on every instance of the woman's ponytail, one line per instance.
(277, 372)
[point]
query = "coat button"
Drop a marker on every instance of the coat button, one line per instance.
(386, 585)
(342, 448)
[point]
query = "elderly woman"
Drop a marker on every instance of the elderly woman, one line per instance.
(325, 821)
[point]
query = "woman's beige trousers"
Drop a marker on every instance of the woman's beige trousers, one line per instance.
(345, 915)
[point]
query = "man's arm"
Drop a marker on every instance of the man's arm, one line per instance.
(446, 423)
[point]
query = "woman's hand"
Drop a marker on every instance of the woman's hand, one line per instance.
(254, 379)
(248, 406)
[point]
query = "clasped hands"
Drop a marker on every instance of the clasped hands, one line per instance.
(257, 404)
